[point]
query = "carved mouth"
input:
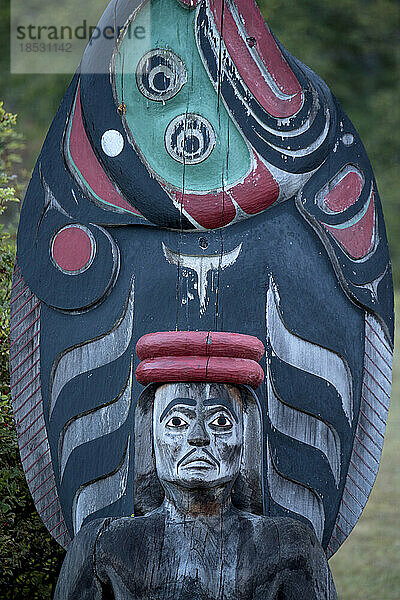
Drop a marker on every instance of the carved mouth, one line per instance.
(198, 463)
(195, 462)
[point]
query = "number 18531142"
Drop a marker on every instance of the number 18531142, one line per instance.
(45, 47)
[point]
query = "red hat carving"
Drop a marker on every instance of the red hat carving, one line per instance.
(200, 356)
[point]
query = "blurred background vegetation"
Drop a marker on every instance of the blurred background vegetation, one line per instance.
(354, 45)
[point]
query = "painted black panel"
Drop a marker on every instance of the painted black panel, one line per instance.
(280, 244)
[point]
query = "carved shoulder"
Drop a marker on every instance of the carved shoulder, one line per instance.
(78, 579)
(292, 554)
(294, 537)
(126, 542)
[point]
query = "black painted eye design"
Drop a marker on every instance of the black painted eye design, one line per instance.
(189, 139)
(160, 75)
(221, 423)
(176, 423)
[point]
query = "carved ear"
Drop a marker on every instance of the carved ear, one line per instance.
(248, 489)
(148, 493)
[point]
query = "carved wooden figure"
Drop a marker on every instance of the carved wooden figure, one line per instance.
(201, 181)
(199, 530)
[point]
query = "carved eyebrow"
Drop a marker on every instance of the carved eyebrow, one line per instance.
(221, 402)
(174, 402)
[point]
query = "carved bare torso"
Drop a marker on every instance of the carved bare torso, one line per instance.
(197, 545)
(231, 556)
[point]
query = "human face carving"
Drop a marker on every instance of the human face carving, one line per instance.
(197, 433)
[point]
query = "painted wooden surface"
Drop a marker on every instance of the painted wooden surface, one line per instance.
(199, 443)
(204, 180)
(200, 356)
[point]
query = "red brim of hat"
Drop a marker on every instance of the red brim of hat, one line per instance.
(200, 343)
(214, 369)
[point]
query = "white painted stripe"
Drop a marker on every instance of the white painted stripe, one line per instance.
(93, 353)
(100, 493)
(305, 428)
(307, 356)
(99, 422)
(296, 497)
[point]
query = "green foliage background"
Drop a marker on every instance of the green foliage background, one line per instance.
(355, 46)
(29, 558)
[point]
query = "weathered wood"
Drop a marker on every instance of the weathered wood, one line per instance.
(28, 407)
(197, 184)
(197, 543)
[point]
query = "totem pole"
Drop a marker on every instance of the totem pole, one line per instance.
(202, 315)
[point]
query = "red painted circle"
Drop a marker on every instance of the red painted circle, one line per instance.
(73, 248)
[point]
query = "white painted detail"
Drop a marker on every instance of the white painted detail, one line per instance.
(93, 425)
(296, 497)
(347, 139)
(305, 428)
(289, 183)
(202, 265)
(156, 62)
(307, 356)
(100, 493)
(74, 196)
(93, 353)
(312, 147)
(189, 127)
(112, 142)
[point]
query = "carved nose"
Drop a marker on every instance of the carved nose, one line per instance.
(198, 436)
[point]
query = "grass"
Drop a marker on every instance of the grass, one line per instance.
(367, 566)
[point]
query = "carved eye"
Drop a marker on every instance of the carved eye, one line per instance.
(160, 75)
(189, 139)
(221, 422)
(176, 423)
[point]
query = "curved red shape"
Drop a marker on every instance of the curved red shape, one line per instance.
(345, 193)
(358, 239)
(199, 343)
(259, 36)
(258, 191)
(170, 369)
(88, 166)
(210, 210)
